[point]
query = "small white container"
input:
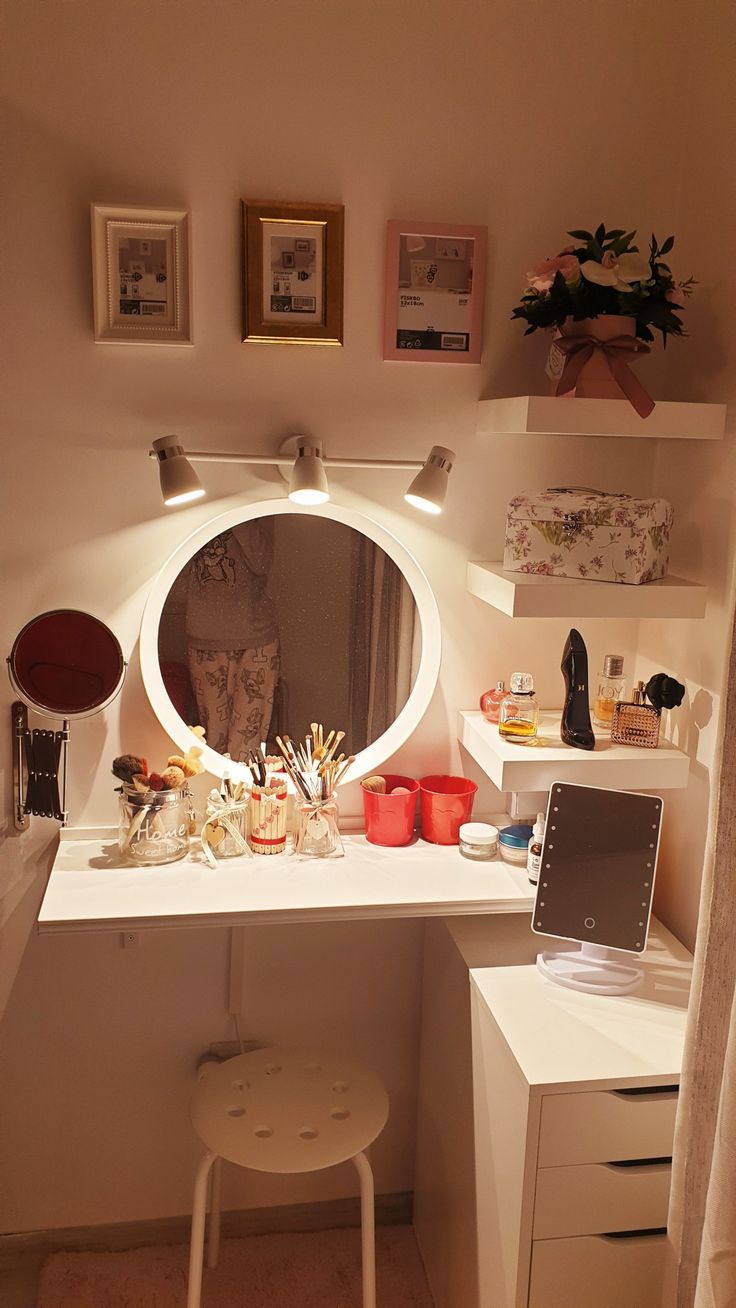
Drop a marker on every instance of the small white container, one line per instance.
(478, 840)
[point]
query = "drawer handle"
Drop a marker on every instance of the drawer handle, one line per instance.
(634, 1235)
(639, 1162)
(666, 1091)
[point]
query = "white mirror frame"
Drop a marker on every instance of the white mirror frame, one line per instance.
(370, 758)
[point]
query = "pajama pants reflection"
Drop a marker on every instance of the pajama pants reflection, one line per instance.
(234, 691)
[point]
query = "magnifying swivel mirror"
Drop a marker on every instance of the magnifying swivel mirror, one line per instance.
(64, 664)
(596, 883)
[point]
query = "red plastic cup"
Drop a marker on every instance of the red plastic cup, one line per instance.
(445, 803)
(389, 819)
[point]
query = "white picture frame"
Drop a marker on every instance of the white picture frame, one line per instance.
(141, 275)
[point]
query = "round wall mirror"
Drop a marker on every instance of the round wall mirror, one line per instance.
(66, 664)
(270, 617)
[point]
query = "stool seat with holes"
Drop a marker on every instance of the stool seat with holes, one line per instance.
(283, 1110)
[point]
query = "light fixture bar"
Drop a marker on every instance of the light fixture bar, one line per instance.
(281, 461)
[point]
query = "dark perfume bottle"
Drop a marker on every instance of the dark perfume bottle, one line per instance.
(575, 728)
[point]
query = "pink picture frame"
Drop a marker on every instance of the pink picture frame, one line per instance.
(435, 282)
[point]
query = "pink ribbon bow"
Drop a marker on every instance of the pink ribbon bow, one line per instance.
(577, 351)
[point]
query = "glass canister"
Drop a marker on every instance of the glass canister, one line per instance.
(225, 828)
(154, 824)
(317, 834)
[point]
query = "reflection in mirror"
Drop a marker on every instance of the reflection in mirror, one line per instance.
(66, 663)
(283, 620)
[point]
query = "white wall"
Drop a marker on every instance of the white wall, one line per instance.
(485, 111)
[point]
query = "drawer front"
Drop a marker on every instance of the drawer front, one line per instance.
(598, 1197)
(601, 1126)
(598, 1272)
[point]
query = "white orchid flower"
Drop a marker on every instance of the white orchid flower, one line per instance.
(617, 271)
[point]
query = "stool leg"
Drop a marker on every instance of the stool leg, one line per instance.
(368, 1229)
(196, 1245)
(213, 1239)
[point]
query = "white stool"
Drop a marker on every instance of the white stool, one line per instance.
(284, 1110)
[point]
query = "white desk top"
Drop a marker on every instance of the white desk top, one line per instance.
(90, 889)
(561, 1038)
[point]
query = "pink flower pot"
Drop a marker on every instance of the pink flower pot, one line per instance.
(594, 380)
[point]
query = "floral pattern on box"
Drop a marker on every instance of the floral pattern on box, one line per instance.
(588, 534)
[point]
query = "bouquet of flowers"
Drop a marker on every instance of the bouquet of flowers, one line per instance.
(606, 274)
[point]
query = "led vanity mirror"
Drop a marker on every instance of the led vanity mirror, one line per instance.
(272, 616)
(596, 883)
(64, 664)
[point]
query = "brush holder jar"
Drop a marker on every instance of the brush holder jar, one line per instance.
(267, 819)
(317, 834)
(154, 825)
(225, 828)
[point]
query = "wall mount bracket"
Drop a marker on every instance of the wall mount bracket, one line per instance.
(39, 764)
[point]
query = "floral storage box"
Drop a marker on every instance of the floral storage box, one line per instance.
(578, 532)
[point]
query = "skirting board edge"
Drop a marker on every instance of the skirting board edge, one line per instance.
(27, 1248)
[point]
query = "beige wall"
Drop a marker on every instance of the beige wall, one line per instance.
(528, 117)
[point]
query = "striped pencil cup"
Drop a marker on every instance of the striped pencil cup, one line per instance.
(268, 819)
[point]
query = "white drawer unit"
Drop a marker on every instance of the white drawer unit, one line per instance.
(606, 1126)
(600, 1197)
(597, 1269)
(575, 1098)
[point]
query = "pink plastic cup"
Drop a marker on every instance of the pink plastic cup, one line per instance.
(445, 803)
(389, 819)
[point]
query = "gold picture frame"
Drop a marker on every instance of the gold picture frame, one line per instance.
(293, 272)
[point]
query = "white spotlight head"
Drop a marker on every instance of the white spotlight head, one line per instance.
(308, 481)
(429, 487)
(179, 481)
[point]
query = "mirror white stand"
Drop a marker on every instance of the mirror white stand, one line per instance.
(595, 968)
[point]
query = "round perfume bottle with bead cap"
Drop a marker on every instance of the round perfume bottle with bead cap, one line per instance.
(518, 717)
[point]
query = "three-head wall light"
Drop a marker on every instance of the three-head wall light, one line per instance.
(308, 480)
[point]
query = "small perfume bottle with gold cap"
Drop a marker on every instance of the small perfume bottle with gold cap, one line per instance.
(636, 722)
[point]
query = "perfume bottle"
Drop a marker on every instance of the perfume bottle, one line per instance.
(490, 701)
(611, 689)
(518, 717)
(575, 728)
(635, 722)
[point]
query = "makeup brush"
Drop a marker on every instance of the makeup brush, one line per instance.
(377, 785)
(339, 735)
(347, 764)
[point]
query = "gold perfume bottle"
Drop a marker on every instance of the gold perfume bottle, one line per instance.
(636, 723)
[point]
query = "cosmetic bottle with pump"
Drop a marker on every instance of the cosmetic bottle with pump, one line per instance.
(490, 701)
(518, 717)
(575, 728)
(534, 856)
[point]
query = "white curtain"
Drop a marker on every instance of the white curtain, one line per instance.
(702, 1220)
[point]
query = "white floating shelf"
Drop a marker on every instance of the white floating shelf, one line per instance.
(531, 767)
(526, 595)
(548, 415)
(92, 889)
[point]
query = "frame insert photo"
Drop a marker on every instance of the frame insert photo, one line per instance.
(435, 276)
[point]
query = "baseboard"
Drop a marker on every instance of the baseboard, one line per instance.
(28, 1248)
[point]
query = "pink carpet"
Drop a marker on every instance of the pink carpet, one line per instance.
(315, 1270)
